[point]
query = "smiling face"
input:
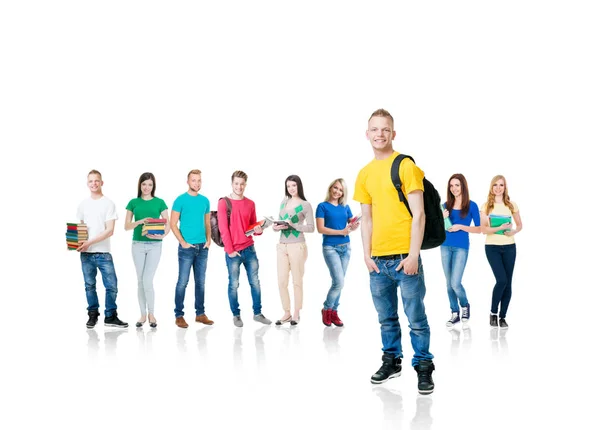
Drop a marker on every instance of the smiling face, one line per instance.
(238, 185)
(498, 188)
(94, 183)
(194, 182)
(336, 191)
(147, 187)
(381, 133)
(292, 188)
(455, 187)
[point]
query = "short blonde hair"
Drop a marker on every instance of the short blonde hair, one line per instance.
(95, 172)
(194, 172)
(382, 113)
(342, 200)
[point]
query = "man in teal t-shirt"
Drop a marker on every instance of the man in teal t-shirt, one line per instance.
(192, 211)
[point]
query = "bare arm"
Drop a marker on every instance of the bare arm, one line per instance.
(366, 232)
(207, 229)
(331, 231)
(517, 218)
(411, 263)
(175, 229)
(109, 229)
(485, 225)
(129, 223)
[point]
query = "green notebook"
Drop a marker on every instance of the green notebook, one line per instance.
(498, 220)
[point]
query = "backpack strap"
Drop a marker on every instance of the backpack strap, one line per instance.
(396, 178)
(228, 202)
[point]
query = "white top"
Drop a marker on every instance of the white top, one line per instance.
(95, 213)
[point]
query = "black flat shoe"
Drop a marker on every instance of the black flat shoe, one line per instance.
(139, 324)
(281, 322)
(295, 322)
(153, 324)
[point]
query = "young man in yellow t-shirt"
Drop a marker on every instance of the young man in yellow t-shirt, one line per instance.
(391, 244)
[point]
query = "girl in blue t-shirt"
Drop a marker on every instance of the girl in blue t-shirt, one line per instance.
(335, 222)
(461, 212)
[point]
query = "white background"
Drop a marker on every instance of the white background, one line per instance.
(279, 88)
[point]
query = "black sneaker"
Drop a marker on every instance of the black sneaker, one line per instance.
(503, 323)
(494, 320)
(114, 321)
(424, 369)
(93, 319)
(390, 368)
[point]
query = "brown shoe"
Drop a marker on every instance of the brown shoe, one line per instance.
(180, 322)
(204, 319)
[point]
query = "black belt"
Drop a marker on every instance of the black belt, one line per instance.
(391, 257)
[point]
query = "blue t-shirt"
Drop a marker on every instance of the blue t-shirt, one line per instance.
(335, 217)
(460, 239)
(191, 217)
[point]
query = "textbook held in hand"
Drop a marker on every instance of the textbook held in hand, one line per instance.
(498, 220)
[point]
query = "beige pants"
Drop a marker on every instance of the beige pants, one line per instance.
(291, 258)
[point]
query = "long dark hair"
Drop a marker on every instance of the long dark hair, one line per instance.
(145, 177)
(464, 189)
(298, 181)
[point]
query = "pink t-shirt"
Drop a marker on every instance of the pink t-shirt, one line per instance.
(243, 214)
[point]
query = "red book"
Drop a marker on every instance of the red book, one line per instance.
(156, 221)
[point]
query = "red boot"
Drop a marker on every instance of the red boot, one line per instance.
(335, 319)
(326, 316)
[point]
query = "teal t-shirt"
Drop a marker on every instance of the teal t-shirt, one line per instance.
(145, 209)
(192, 210)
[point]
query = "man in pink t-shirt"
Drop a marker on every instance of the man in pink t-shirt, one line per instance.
(239, 248)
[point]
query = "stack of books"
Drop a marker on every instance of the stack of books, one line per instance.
(76, 233)
(154, 226)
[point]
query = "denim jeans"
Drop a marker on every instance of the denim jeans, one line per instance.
(250, 261)
(146, 256)
(337, 259)
(454, 260)
(195, 256)
(91, 262)
(502, 260)
(384, 290)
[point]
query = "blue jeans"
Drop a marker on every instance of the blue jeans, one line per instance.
(454, 261)
(250, 261)
(337, 259)
(90, 263)
(502, 260)
(195, 256)
(384, 290)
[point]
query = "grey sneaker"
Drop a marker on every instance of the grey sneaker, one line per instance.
(262, 319)
(237, 321)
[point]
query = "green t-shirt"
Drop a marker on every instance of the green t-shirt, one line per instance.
(145, 209)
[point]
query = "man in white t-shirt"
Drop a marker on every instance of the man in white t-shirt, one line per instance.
(99, 214)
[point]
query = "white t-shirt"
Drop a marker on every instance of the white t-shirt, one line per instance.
(95, 213)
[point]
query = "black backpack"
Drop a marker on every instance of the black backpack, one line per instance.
(215, 233)
(435, 233)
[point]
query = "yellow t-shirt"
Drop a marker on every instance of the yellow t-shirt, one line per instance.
(391, 220)
(501, 239)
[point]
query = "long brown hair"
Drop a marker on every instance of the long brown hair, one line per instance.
(489, 205)
(464, 190)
